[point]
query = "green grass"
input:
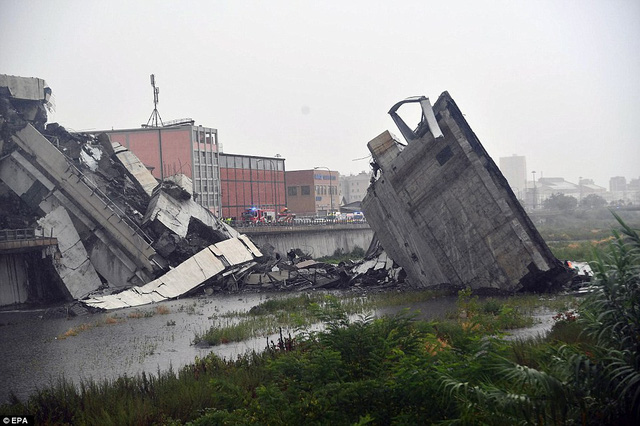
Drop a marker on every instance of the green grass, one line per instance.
(581, 251)
(338, 256)
(300, 311)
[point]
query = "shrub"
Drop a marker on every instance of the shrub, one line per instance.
(587, 372)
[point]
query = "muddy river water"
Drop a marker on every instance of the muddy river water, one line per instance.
(35, 349)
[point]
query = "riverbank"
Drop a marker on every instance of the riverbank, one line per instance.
(43, 345)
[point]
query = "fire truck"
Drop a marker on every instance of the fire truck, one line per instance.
(285, 216)
(258, 215)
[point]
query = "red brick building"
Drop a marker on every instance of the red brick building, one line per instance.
(249, 181)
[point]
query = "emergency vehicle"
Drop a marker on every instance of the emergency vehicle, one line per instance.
(285, 216)
(256, 215)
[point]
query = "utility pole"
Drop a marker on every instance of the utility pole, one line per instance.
(535, 197)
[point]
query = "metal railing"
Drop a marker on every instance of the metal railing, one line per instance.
(23, 234)
(302, 222)
(108, 203)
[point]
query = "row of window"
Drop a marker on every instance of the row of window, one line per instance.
(205, 171)
(326, 190)
(293, 190)
(205, 186)
(306, 190)
(205, 157)
(324, 177)
(239, 162)
(204, 136)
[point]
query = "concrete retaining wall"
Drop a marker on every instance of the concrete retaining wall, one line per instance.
(318, 242)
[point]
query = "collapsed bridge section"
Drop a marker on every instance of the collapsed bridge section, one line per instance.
(443, 211)
(112, 226)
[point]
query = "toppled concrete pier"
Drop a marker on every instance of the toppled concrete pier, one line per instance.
(443, 211)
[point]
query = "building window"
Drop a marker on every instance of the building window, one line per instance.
(305, 190)
(292, 191)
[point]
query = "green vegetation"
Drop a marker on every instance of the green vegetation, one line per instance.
(295, 313)
(339, 256)
(398, 370)
(578, 234)
(560, 202)
(581, 251)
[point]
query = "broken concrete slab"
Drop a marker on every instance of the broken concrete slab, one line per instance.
(38, 192)
(22, 100)
(73, 265)
(443, 211)
(25, 88)
(135, 168)
(87, 197)
(221, 259)
(106, 193)
(184, 184)
(175, 215)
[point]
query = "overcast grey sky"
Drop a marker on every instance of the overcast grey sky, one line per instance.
(556, 81)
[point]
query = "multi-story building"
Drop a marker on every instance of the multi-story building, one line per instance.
(544, 188)
(618, 188)
(354, 187)
(633, 191)
(617, 184)
(514, 169)
(312, 192)
(249, 181)
(182, 148)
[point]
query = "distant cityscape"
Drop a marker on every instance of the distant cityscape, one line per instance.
(532, 189)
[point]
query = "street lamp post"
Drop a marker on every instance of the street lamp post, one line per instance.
(330, 191)
(534, 190)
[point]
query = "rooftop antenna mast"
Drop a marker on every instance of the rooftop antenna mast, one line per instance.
(155, 115)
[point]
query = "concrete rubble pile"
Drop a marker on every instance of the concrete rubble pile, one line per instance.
(116, 227)
(122, 238)
(300, 272)
(443, 211)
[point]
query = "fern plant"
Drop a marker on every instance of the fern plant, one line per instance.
(611, 315)
(594, 381)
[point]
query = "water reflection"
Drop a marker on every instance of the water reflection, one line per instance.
(33, 354)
